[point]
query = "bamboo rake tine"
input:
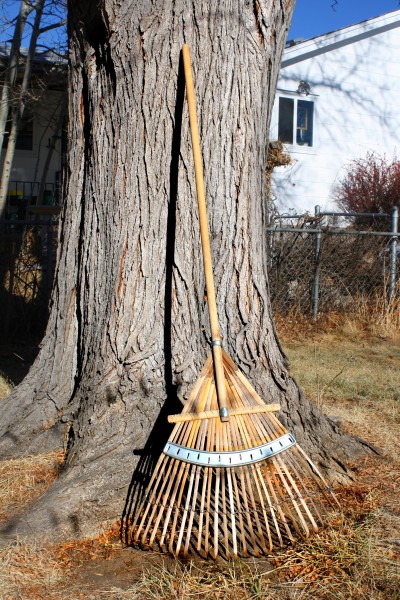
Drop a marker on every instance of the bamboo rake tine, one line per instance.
(217, 489)
(186, 509)
(237, 373)
(210, 480)
(196, 476)
(273, 486)
(232, 513)
(270, 507)
(183, 473)
(235, 442)
(161, 467)
(291, 487)
(302, 476)
(205, 484)
(207, 511)
(224, 513)
(257, 477)
(192, 512)
(296, 488)
(201, 436)
(220, 485)
(205, 373)
(309, 477)
(167, 482)
(231, 476)
(180, 485)
(238, 505)
(225, 474)
(241, 421)
(284, 499)
(313, 467)
(205, 475)
(175, 506)
(248, 474)
(150, 501)
(235, 426)
(164, 502)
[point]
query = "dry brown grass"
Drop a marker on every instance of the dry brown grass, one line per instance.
(5, 386)
(366, 317)
(355, 380)
(24, 479)
(29, 571)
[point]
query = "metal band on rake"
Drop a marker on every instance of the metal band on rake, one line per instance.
(229, 459)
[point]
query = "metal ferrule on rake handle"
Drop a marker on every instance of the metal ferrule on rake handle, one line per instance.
(205, 241)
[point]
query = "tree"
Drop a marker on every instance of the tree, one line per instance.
(370, 185)
(128, 332)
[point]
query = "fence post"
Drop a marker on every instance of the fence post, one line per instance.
(317, 262)
(393, 250)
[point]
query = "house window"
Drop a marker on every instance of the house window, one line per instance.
(295, 124)
(25, 132)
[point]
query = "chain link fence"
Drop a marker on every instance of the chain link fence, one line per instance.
(27, 263)
(327, 262)
(318, 264)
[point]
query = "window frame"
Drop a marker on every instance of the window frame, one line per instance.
(296, 97)
(28, 117)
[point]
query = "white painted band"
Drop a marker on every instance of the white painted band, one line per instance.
(229, 459)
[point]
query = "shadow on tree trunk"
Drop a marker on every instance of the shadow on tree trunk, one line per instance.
(161, 431)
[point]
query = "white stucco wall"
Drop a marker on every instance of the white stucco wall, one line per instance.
(354, 75)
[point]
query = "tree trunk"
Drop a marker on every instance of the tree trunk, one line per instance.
(128, 330)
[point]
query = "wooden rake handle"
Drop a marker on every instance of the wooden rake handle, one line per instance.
(205, 240)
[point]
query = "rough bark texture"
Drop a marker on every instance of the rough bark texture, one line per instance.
(128, 330)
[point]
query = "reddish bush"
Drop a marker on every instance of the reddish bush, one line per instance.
(372, 184)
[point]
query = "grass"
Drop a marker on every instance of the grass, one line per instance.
(22, 480)
(5, 386)
(355, 380)
(353, 374)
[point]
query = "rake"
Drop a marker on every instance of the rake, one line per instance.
(231, 479)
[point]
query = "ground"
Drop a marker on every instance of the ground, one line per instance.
(353, 375)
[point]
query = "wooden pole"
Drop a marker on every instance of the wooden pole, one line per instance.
(205, 240)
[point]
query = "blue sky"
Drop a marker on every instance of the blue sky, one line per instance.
(315, 17)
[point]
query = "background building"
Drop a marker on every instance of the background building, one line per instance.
(337, 99)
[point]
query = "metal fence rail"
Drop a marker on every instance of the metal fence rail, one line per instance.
(317, 267)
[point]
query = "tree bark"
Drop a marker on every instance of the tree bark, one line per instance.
(128, 330)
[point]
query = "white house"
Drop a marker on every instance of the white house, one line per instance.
(40, 129)
(338, 97)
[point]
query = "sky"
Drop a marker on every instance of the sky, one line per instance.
(315, 17)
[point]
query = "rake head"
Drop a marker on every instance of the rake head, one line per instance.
(242, 487)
